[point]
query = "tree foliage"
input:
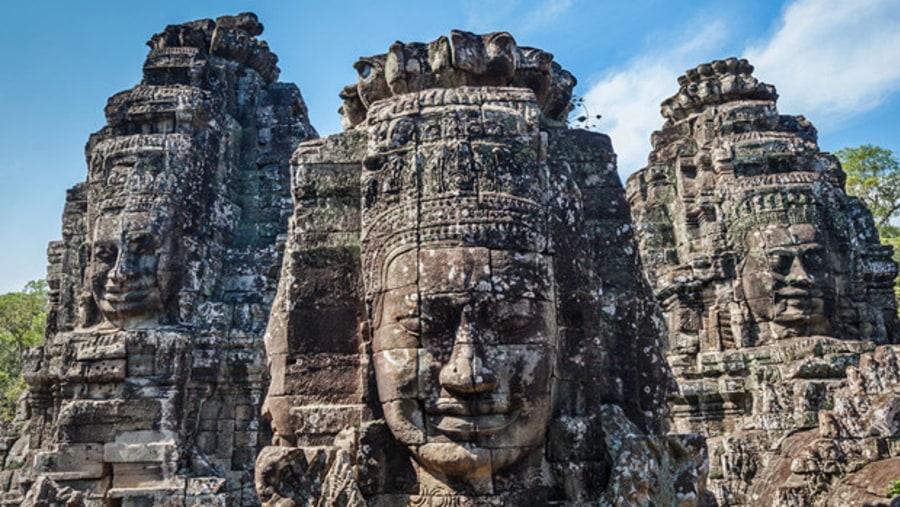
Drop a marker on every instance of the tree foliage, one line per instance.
(893, 489)
(23, 316)
(873, 175)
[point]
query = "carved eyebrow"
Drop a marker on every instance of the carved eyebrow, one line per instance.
(520, 292)
(515, 303)
(140, 236)
(796, 250)
(782, 251)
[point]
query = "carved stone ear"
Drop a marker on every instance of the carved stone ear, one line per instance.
(738, 287)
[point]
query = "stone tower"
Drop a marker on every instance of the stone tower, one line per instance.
(773, 283)
(461, 318)
(148, 388)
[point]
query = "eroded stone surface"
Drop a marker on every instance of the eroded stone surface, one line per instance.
(775, 290)
(459, 273)
(149, 386)
(463, 59)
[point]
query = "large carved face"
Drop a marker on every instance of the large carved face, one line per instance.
(787, 279)
(126, 250)
(464, 344)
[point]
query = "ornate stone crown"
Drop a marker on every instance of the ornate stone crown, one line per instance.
(460, 166)
(139, 173)
(463, 59)
(786, 205)
(716, 82)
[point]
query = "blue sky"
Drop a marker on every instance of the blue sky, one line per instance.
(836, 62)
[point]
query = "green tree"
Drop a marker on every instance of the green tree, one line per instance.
(23, 316)
(873, 175)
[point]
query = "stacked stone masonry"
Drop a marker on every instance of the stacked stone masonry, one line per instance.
(149, 386)
(778, 298)
(448, 302)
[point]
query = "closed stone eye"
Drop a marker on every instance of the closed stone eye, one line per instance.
(411, 325)
(515, 324)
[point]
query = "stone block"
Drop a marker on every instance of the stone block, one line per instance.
(141, 447)
(69, 462)
(100, 421)
(326, 376)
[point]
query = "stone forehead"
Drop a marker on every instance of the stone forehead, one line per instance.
(778, 235)
(153, 220)
(453, 269)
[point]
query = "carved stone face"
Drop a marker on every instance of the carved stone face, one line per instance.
(786, 279)
(124, 261)
(464, 344)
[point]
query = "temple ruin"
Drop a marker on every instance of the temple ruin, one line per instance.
(149, 386)
(775, 289)
(454, 245)
(454, 301)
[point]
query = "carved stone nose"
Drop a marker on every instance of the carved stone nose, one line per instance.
(465, 371)
(119, 269)
(123, 269)
(797, 275)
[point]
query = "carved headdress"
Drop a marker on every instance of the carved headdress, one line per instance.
(462, 166)
(783, 205)
(463, 59)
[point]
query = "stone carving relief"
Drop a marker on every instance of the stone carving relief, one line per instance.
(148, 388)
(461, 315)
(463, 59)
(123, 270)
(792, 269)
(448, 306)
(772, 279)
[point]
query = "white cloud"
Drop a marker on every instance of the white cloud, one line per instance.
(629, 97)
(830, 59)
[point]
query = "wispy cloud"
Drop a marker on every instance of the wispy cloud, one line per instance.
(545, 13)
(629, 97)
(479, 19)
(831, 59)
(521, 17)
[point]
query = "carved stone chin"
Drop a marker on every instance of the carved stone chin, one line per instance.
(463, 366)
